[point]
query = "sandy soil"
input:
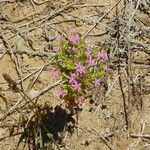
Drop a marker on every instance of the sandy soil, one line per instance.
(99, 124)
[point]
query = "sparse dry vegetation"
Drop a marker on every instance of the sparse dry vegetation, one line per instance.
(115, 117)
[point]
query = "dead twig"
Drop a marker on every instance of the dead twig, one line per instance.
(3, 54)
(90, 5)
(100, 19)
(12, 55)
(17, 106)
(41, 53)
(110, 88)
(139, 135)
(56, 12)
(40, 3)
(110, 146)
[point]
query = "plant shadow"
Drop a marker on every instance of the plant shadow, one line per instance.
(56, 122)
(47, 128)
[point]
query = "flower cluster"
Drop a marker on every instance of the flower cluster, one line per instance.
(81, 68)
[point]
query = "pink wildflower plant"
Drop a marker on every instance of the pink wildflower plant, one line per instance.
(80, 69)
(74, 39)
(58, 37)
(96, 82)
(76, 85)
(107, 68)
(60, 92)
(54, 72)
(72, 78)
(91, 61)
(56, 49)
(102, 55)
(74, 82)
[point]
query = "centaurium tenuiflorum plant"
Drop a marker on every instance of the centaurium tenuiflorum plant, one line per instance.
(79, 67)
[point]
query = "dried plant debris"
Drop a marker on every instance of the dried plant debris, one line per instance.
(115, 116)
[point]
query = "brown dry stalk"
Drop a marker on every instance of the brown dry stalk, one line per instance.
(11, 83)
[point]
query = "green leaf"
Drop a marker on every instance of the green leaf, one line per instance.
(69, 64)
(50, 136)
(30, 85)
(94, 51)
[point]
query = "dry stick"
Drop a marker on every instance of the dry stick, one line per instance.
(3, 55)
(111, 87)
(12, 109)
(50, 86)
(138, 140)
(40, 3)
(40, 71)
(110, 146)
(120, 80)
(56, 12)
(4, 98)
(41, 53)
(32, 73)
(129, 62)
(52, 15)
(11, 53)
(100, 20)
(90, 5)
(105, 135)
(17, 106)
(26, 17)
(8, 1)
(115, 81)
(32, 4)
(26, 38)
(141, 136)
(124, 101)
(8, 136)
(15, 61)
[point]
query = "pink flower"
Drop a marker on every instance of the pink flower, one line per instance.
(58, 38)
(72, 30)
(80, 100)
(96, 82)
(56, 49)
(91, 61)
(74, 39)
(88, 52)
(73, 48)
(76, 85)
(72, 78)
(80, 69)
(54, 71)
(107, 68)
(60, 91)
(101, 54)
